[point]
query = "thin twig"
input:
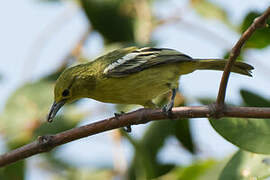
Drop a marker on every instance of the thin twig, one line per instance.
(257, 23)
(141, 116)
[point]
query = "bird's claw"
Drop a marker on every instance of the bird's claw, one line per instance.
(167, 110)
(117, 116)
(127, 129)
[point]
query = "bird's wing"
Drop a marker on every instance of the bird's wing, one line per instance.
(140, 59)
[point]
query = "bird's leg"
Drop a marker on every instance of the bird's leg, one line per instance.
(167, 109)
(117, 116)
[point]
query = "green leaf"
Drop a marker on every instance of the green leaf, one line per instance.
(152, 141)
(180, 128)
(260, 39)
(201, 170)
(183, 134)
(83, 173)
(140, 163)
(248, 134)
(111, 19)
(14, 171)
(156, 135)
(162, 169)
(88, 174)
(195, 170)
(245, 165)
(24, 111)
(252, 99)
(145, 164)
(158, 132)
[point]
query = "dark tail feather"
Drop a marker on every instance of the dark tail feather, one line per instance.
(219, 64)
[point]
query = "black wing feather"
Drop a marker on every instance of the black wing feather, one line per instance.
(146, 58)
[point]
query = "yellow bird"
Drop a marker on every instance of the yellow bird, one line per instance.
(132, 76)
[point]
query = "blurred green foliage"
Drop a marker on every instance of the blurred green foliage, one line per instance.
(260, 39)
(14, 171)
(199, 170)
(23, 117)
(248, 134)
(245, 165)
(253, 99)
(25, 108)
(111, 18)
(145, 163)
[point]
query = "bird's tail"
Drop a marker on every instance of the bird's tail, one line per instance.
(219, 64)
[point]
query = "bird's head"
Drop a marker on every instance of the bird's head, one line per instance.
(70, 86)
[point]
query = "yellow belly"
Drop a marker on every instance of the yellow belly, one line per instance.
(137, 88)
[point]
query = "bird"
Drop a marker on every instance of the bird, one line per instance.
(132, 75)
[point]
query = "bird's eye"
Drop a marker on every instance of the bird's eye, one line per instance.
(65, 93)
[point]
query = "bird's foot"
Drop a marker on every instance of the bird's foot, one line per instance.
(167, 110)
(127, 129)
(117, 116)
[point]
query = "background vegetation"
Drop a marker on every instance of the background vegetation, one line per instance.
(119, 23)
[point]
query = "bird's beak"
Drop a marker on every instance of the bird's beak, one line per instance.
(54, 109)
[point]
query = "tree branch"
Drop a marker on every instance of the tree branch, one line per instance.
(257, 23)
(141, 116)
